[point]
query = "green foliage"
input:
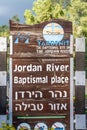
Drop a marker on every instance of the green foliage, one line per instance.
(43, 10)
(4, 31)
(7, 127)
(29, 18)
(15, 18)
(75, 11)
(63, 3)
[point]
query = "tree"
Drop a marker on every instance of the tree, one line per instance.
(4, 30)
(74, 10)
(77, 13)
(84, 0)
(15, 18)
(43, 10)
(63, 3)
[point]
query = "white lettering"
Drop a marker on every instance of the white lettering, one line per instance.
(28, 68)
(58, 106)
(53, 67)
(30, 80)
(59, 80)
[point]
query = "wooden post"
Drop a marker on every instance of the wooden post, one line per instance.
(10, 90)
(80, 75)
(3, 78)
(80, 83)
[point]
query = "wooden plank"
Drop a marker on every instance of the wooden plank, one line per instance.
(3, 61)
(2, 100)
(80, 61)
(23, 27)
(80, 99)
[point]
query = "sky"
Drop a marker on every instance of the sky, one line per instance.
(9, 8)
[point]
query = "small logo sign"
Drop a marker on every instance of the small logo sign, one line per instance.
(40, 126)
(58, 126)
(24, 126)
(53, 32)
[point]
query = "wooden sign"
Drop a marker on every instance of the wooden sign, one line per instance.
(41, 69)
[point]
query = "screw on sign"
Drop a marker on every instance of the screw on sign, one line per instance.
(58, 126)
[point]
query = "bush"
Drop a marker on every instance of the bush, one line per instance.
(7, 127)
